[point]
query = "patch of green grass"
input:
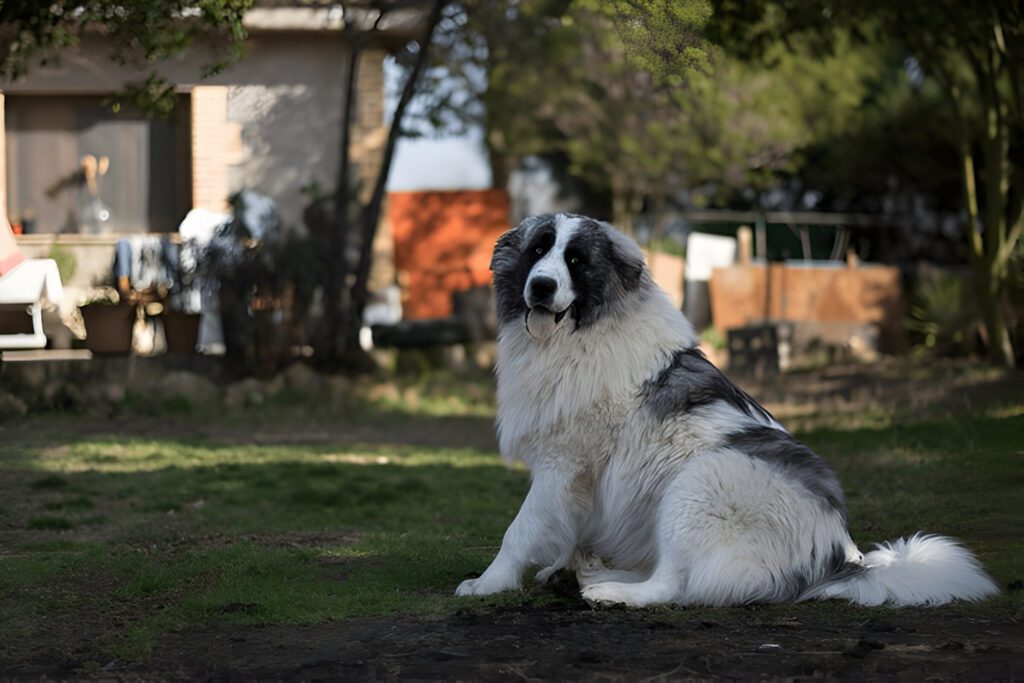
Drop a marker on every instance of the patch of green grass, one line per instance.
(957, 476)
(168, 533)
(52, 481)
(50, 523)
(197, 533)
(72, 504)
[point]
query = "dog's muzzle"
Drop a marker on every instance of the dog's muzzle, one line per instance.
(546, 306)
(541, 322)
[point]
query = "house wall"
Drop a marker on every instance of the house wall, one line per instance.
(270, 122)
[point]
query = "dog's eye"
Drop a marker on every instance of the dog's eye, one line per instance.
(574, 261)
(539, 250)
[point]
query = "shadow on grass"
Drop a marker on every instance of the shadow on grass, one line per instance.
(303, 421)
(137, 545)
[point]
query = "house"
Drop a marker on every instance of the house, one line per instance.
(269, 123)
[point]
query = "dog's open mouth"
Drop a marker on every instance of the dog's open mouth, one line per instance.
(541, 322)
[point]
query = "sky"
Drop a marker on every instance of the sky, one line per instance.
(440, 164)
(434, 163)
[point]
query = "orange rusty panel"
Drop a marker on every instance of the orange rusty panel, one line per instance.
(443, 243)
(869, 294)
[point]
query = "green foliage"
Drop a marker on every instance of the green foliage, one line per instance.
(154, 95)
(67, 262)
(974, 54)
(634, 100)
(665, 38)
(941, 319)
(713, 338)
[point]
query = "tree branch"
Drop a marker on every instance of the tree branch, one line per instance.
(370, 216)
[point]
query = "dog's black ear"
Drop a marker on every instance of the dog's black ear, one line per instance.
(509, 245)
(506, 249)
(627, 258)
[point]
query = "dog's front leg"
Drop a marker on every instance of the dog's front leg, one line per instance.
(543, 533)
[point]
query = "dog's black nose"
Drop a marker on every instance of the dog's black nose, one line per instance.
(542, 289)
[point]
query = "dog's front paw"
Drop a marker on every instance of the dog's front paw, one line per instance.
(484, 585)
(639, 594)
(607, 593)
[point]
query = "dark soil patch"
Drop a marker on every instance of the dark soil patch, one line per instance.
(557, 642)
(553, 635)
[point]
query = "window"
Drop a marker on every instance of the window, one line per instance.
(146, 186)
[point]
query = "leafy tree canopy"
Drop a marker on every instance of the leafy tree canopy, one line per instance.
(974, 52)
(140, 32)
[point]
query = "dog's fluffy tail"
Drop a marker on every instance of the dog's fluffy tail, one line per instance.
(921, 570)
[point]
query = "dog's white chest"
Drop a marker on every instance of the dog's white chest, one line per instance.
(558, 396)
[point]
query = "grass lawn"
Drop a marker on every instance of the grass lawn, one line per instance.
(108, 543)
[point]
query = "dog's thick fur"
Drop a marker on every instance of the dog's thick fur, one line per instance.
(645, 457)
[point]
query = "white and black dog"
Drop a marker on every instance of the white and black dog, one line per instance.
(645, 457)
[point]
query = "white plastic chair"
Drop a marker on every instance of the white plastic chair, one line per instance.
(29, 283)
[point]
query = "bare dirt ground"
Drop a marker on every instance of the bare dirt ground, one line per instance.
(568, 640)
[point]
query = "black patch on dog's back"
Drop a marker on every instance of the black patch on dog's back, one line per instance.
(795, 460)
(691, 381)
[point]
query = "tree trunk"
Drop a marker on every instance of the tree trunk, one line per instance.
(988, 296)
(986, 268)
(370, 216)
(501, 168)
(989, 248)
(336, 271)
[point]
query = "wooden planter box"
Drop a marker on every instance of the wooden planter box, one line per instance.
(829, 294)
(108, 328)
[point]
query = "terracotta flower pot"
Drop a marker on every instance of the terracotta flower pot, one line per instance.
(108, 328)
(181, 331)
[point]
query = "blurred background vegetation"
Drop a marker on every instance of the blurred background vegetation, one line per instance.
(908, 112)
(910, 109)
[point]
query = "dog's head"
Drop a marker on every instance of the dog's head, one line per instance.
(555, 266)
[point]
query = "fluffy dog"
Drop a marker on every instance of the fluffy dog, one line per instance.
(645, 457)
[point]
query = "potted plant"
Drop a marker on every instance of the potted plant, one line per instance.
(262, 279)
(181, 329)
(108, 322)
(180, 316)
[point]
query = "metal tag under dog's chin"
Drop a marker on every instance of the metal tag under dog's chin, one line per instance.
(540, 324)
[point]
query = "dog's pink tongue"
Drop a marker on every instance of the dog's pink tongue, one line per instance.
(540, 324)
